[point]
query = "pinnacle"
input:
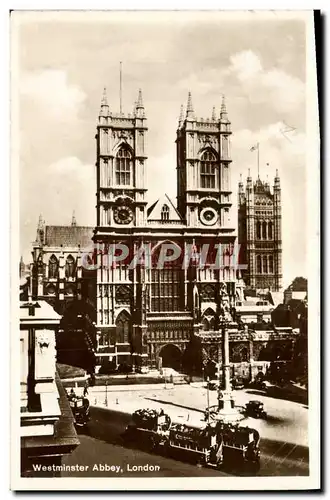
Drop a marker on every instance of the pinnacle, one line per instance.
(190, 108)
(140, 100)
(74, 221)
(104, 101)
(223, 110)
(214, 117)
(181, 114)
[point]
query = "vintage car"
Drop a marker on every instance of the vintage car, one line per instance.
(80, 409)
(255, 409)
(237, 383)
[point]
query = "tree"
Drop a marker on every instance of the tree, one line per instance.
(76, 339)
(192, 360)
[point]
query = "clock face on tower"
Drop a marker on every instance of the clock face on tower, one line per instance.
(123, 215)
(208, 216)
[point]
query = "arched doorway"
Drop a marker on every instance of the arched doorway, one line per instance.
(171, 357)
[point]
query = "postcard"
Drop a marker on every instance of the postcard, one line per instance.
(165, 247)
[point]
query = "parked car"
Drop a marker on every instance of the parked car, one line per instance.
(258, 384)
(237, 383)
(255, 409)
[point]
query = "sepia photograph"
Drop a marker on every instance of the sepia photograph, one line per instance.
(165, 244)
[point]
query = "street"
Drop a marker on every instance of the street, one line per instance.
(102, 444)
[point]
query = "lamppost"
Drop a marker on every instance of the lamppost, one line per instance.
(226, 405)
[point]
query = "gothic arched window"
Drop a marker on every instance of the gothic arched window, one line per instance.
(264, 230)
(123, 167)
(165, 213)
(69, 267)
(258, 263)
(166, 285)
(265, 264)
(208, 164)
(122, 328)
(53, 267)
(258, 230)
(270, 230)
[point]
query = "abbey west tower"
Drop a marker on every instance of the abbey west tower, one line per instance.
(145, 313)
(259, 233)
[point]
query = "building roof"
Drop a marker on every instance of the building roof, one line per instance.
(68, 236)
(155, 210)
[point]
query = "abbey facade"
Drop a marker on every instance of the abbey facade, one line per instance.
(152, 308)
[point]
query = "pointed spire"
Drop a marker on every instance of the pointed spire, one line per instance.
(240, 184)
(40, 222)
(277, 179)
(73, 222)
(139, 106)
(181, 117)
(223, 111)
(139, 103)
(104, 101)
(190, 108)
(214, 116)
(104, 104)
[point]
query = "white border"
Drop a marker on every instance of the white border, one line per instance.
(230, 483)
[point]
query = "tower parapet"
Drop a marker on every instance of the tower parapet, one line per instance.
(203, 168)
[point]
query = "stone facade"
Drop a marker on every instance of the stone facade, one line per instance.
(141, 309)
(57, 271)
(259, 233)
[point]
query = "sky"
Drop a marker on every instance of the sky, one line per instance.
(63, 65)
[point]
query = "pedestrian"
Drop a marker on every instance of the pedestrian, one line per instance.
(86, 389)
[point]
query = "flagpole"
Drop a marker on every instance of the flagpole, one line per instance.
(120, 88)
(258, 160)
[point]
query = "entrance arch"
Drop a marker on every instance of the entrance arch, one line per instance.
(171, 357)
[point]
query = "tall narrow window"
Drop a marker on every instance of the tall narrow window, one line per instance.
(264, 230)
(208, 164)
(270, 230)
(53, 267)
(123, 167)
(258, 230)
(265, 264)
(258, 264)
(271, 264)
(122, 328)
(69, 267)
(165, 213)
